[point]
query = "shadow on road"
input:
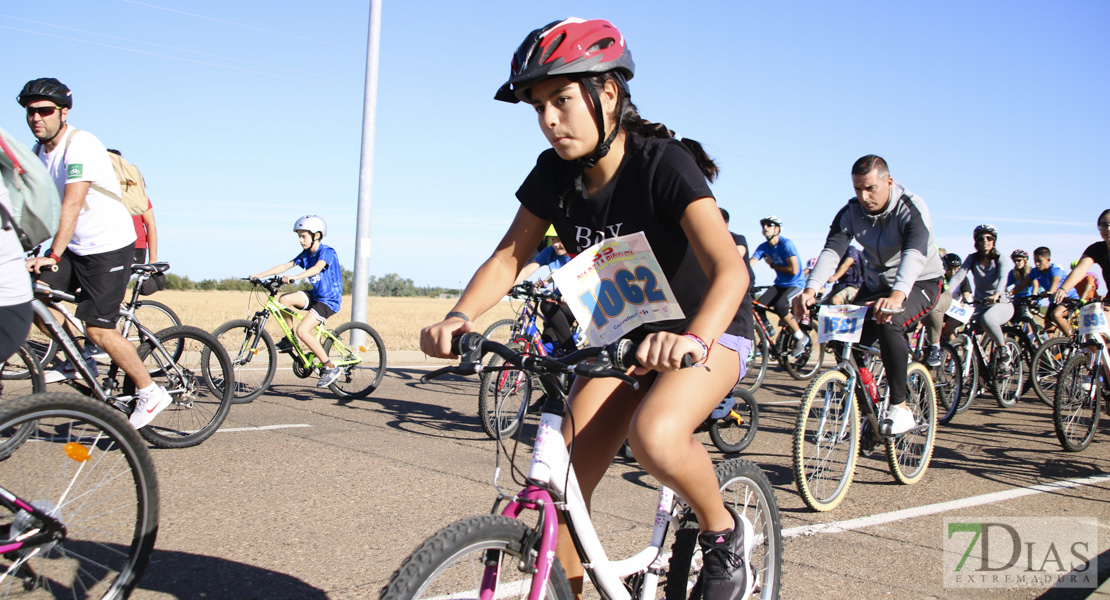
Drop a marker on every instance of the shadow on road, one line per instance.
(187, 575)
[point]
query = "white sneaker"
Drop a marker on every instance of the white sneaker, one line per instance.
(800, 346)
(899, 419)
(66, 370)
(148, 406)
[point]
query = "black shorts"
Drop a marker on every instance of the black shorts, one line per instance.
(15, 324)
(102, 279)
(322, 311)
(140, 256)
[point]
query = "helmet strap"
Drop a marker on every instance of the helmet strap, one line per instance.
(604, 142)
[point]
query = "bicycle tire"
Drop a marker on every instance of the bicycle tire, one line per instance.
(735, 431)
(908, 454)
(253, 360)
(44, 346)
(1027, 351)
(451, 563)
(503, 400)
(20, 376)
(824, 455)
(1006, 380)
(86, 452)
(1047, 362)
(757, 363)
(970, 382)
(744, 487)
(1075, 413)
(360, 379)
(800, 367)
(155, 316)
(201, 384)
(948, 383)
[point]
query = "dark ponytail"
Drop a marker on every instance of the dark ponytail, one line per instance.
(629, 118)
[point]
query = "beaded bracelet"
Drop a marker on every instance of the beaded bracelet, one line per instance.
(704, 347)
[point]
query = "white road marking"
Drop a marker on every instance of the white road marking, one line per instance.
(261, 427)
(931, 509)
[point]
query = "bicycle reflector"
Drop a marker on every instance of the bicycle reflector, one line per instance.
(77, 452)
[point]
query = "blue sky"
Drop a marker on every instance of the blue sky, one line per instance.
(246, 115)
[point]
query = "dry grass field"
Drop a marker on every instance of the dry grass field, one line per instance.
(398, 320)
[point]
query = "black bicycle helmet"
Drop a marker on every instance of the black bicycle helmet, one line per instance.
(46, 88)
(952, 261)
(573, 48)
(1019, 253)
(985, 229)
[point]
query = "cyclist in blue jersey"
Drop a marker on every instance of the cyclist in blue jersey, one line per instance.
(558, 319)
(782, 256)
(1048, 276)
(322, 270)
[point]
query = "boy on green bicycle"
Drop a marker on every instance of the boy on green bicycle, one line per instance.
(321, 269)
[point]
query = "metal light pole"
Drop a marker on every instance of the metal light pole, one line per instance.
(366, 168)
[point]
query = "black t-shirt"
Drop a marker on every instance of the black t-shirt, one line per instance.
(1101, 255)
(744, 314)
(656, 181)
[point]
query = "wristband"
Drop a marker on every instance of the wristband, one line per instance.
(51, 254)
(457, 314)
(704, 347)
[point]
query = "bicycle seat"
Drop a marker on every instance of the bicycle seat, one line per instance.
(158, 267)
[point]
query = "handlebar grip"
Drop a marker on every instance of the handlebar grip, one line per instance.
(626, 356)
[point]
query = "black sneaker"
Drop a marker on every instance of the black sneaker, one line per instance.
(726, 573)
(283, 345)
(933, 357)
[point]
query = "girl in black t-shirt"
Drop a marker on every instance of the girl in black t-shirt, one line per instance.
(1097, 253)
(610, 173)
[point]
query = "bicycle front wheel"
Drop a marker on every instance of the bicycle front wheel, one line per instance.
(806, 364)
(201, 383)
(503, 400)
(969, 385)
(908, 454)
(361, 358)
(826, 442)
(747, 490)
(1047, 363)
(1008, 375)
(253, 357)
(477, 557)
(85, 466)
(1075, 411)
(735, 431)
(947, 382)
(757, 362)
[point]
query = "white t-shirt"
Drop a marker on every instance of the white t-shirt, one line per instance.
(15, 282)
(104, 223)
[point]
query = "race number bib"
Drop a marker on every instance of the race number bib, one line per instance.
(842, 323)
(615, 286)
(959, 311)
(1092, 321)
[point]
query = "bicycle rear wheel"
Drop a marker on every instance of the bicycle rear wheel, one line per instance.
(908, 454)
(1047, 362)
(826, 442)
(364, 352)
(253, 357)
(757, 362)
(1075, 411)
(735, 431)
(503, 400)
(747, 490)
(20, 376)
(86, 466)
(947, 381)
(156, 317)
(477, 557)
(805, 365)
(201, 383)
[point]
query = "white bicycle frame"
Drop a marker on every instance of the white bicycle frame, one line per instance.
(551, 467)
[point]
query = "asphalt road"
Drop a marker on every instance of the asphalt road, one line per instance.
(301, 495)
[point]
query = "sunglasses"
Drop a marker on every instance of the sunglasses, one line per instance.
(42, 111)
(1104, 225)
(985, 237)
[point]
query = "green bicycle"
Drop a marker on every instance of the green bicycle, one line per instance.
(360, 353)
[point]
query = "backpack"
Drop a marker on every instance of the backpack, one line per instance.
(131, 181)
(36, 206)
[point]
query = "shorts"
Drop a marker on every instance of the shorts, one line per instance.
(778, 299)
(140, 256)
(15, 324)
(102, 279)
(844, 294)
(320, 310)
(743, 348)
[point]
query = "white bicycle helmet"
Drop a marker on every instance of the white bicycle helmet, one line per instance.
(311, 224)
(772, 219)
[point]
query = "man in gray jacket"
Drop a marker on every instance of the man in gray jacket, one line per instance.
(901, 270)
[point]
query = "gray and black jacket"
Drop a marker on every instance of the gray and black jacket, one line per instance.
(898, 245)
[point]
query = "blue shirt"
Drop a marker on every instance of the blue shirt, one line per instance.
(1045, 278)
(548, 258)
(327, 285)
(1012, 280)
(780, 255)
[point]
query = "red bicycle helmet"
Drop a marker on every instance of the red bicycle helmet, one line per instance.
(569, 47)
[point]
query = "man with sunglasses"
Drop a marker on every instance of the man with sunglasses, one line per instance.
(95, 243)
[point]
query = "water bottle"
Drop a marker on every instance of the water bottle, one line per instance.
(869, 384)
